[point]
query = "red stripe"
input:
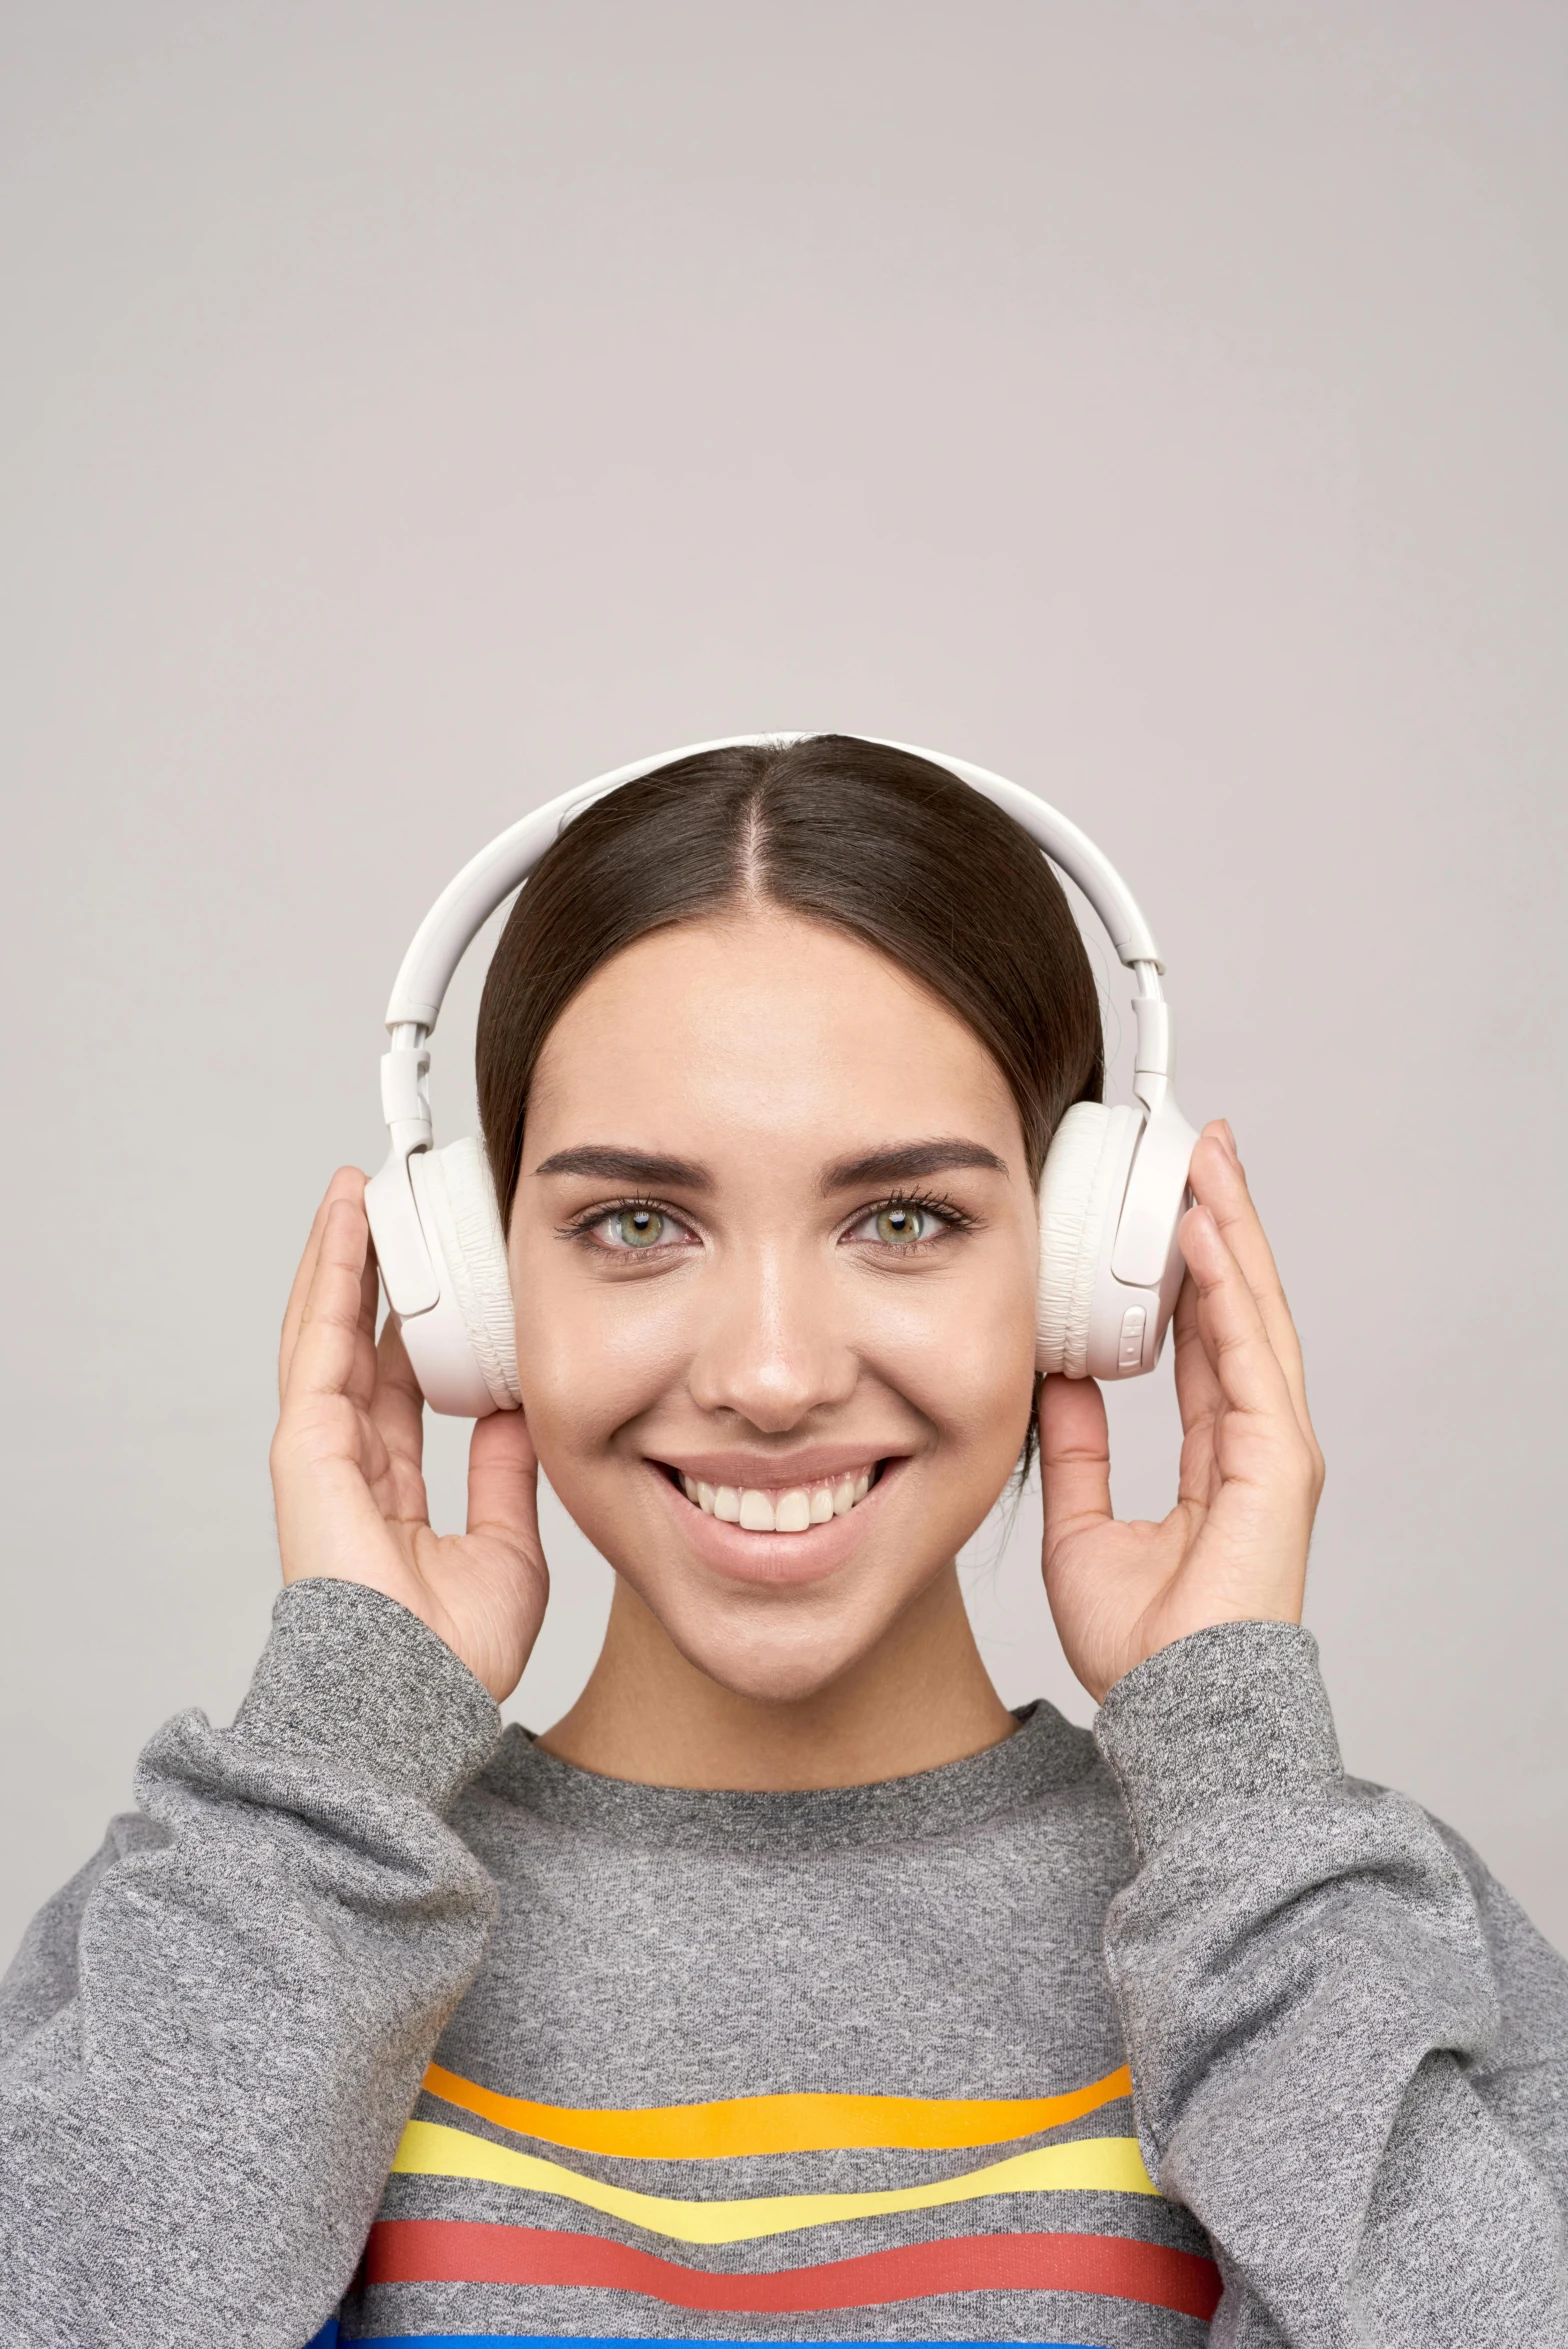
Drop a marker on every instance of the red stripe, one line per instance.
(463, 2251)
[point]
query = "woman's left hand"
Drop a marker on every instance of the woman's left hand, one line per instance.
(1234, 1547)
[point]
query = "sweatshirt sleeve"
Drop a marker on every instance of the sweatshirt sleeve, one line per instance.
(1349, 2048)
(210, 2040)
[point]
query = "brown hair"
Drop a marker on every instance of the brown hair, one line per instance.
(874, 841)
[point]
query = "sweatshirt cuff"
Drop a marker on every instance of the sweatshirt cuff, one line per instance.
(352, 1679)
(1236, 1713)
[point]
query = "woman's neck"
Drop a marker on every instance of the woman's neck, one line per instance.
(920, 1698)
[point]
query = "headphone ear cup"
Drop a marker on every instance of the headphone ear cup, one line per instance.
(457, 1206)
(1079, 1196)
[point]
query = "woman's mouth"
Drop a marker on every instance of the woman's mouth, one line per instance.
(781, 1508)
(787, 1531)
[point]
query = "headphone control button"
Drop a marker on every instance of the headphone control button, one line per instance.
(1130, 1351)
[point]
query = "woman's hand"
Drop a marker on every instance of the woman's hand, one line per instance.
(1234, 1548)
(346, 1465)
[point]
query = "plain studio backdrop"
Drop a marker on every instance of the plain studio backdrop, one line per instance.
(412, 407)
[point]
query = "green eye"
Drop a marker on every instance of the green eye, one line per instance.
(639, 1227)
(901, 1225)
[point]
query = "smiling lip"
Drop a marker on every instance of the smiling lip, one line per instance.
(742, 1554)
(776, 1471)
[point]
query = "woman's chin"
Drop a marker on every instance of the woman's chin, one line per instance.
(788, 1642)
(776, 1663)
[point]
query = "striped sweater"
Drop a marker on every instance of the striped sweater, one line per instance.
(377, 2024)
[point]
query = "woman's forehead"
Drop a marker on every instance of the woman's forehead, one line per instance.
(767, 1023)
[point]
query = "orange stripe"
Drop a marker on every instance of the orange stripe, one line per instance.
(780, 2124)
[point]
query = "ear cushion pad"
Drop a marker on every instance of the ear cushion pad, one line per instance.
(457, 1202)
(1075, 1204)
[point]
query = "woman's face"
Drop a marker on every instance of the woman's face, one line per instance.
(773, 1252)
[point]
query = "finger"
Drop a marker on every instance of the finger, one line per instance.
(362, 1380)
(1219, 1183)
(1198, 1393)
(397, 1407)
(1199, 1398)
(1075, 1457)
(347, 1183)
(331, 1321)
(503, 1479)
(1230, 1325)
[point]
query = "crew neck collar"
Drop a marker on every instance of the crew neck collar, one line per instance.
(1044, 1753)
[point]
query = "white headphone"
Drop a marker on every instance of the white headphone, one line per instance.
(1111, 1196)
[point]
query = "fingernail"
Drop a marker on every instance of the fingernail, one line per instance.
(1229, 1140)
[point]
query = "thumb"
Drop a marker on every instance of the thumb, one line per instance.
(503, 1480)
(1075, 1458)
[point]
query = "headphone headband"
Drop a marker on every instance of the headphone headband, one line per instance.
(467, 903)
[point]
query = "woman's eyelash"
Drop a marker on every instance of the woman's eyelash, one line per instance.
(630, 1205)
(935, 1203)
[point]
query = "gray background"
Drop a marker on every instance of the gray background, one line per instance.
(411, 409)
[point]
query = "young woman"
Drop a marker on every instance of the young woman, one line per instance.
(789, 1987)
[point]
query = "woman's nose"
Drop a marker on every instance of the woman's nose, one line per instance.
(772, 1348)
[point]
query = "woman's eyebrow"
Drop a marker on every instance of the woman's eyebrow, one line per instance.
(608, 1162)
(904, 1160)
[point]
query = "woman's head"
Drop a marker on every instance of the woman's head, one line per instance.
(769, 1058)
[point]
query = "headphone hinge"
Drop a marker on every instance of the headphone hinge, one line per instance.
(405, 1097)
(1154, 1059)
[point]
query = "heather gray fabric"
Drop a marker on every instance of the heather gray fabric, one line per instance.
(1349, 2049)
(210, 2040)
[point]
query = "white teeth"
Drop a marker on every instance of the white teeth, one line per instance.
(795, 1509)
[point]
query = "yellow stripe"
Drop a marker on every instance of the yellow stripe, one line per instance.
(1108, 2165)
(781, 2124)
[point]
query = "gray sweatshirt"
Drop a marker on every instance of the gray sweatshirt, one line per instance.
(375, 2023)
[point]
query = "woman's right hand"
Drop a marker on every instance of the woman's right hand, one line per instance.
(346, 1471)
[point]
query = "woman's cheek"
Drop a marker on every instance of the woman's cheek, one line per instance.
(592, 1357)
(962, 1353)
